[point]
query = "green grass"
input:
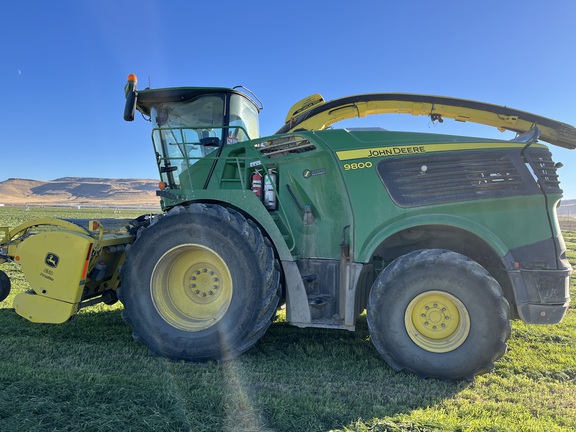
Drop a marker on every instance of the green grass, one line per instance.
(89, 375)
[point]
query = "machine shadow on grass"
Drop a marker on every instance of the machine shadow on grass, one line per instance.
(292, 379)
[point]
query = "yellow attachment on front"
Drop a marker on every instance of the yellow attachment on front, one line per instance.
(55, 265)
(40, 309)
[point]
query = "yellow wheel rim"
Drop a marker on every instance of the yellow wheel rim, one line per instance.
(437, 321)
(191, 287)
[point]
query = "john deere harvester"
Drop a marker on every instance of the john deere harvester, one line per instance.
(441, 239)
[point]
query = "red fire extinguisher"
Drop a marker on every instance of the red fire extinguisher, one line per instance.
(256, 184)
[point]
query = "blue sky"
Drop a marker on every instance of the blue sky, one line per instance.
(64, 65)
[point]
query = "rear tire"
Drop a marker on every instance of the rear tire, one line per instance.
(438, 314)
(200, 283)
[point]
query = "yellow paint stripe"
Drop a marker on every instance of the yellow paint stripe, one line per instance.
(425, 148)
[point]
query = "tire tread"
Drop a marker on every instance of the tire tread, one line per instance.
(263, 254)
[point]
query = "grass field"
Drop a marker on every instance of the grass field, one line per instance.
(89, 375)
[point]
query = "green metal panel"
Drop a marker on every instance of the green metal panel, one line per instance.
(349, 201)
(313, 179)
(505, 223)
(309, 177)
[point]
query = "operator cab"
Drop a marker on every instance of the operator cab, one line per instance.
(192, 123)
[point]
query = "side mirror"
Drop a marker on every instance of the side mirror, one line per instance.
(130, 107)
(210, 142)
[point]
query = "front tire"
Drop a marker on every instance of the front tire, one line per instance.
(200, 283)
(438, 314)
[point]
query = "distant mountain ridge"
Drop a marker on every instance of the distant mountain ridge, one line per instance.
(107, 192)
(567, 208)
(80, 191)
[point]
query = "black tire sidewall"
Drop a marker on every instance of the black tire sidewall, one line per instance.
(386, 315)
(159, 335)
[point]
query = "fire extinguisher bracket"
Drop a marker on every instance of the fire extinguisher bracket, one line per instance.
(270, 181)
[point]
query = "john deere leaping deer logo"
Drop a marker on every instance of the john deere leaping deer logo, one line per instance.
(51, 260)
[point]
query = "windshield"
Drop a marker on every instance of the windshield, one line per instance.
(179, 129)
(183, 125)
(186, 132)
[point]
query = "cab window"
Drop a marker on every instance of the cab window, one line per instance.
(243, 120)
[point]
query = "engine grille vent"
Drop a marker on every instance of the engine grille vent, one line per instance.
(460, 177)
(285, 146)
(544, 169)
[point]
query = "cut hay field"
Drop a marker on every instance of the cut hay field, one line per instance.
(89, 375)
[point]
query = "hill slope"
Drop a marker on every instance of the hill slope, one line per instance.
(567, 208)
(80, 191)
(108, 192)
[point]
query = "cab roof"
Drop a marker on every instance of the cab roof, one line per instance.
(149, 98)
